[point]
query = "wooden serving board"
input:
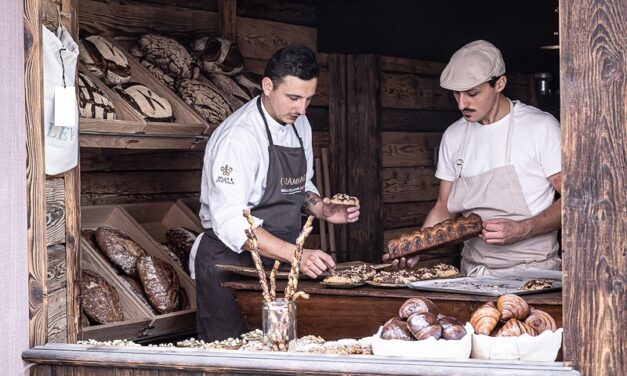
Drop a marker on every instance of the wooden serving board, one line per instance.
(283, 274)
(491, 286)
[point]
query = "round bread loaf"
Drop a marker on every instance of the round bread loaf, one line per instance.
(99, 300)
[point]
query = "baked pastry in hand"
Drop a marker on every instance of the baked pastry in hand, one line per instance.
(515, 328)
(424, 325)
(344, 199)
(485, 318)
(540, 321)
(395, 328)
(417, 305)
(512, 306)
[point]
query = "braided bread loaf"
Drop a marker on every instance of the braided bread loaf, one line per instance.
(446, 232)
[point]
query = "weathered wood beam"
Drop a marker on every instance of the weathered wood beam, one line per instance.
(593, 56)
(227, 19)
(35, 176)
(363, 155)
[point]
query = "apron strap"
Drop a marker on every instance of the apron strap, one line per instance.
(265, 122)
(510, 133)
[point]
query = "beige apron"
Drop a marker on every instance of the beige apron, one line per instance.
(497, 194)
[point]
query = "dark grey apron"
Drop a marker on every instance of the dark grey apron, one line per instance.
(218, 315)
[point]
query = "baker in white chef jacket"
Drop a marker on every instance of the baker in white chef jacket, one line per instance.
(260, 158)
(501, 160)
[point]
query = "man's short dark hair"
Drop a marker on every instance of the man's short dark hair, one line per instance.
(294, 60)
(493, 80)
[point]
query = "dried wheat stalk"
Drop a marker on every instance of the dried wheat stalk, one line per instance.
(252, 238)
(292, 283)
(273, 273)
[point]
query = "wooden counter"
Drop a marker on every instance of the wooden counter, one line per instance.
(64, 359)
(355, 313)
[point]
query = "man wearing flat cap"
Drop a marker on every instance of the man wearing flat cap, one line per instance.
(501, 160)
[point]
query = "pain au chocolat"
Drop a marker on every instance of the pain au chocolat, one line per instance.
(443, 233)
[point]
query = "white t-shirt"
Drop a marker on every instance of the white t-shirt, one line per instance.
(235, 167)
(535, 152)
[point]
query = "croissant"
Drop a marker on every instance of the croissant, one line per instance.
(395, 328)
(445, 232)
(485, 318)
(540, 321)
(515, 328)
(417, 305)
(451, 328)
(512, 306)
(424, 325)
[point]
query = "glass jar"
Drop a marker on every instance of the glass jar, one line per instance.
(279, 325)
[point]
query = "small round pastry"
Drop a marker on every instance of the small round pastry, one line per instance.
(452, 329)
(485, 318)
(344, 199)
(417, 305)
(424, 325)
(540, 321)
(395, 328)
(512, 306)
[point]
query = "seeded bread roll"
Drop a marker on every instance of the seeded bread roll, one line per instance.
(161, 284)
(149, 104)
(446, 232)
(218, 55)
(119, 248)
(104, 60)
(99, 300)
(92, 102)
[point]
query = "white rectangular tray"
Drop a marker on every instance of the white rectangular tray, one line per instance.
(492, 286)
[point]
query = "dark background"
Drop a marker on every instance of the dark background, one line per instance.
(434, 30)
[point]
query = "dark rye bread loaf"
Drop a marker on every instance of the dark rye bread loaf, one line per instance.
(161, 284)
(99, 300)
(137, 289)
(443, 233)
(119, 248)
(217, 55)
(104, 60)
(166, 53)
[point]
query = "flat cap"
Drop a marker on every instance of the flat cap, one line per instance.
(475, 63)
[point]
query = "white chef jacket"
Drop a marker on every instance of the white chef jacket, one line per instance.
(235, 168)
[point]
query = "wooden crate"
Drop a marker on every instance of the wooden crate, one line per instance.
(158, 217)
(137, 316)
(175, 323)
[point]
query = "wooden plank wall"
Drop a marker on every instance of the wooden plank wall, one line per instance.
(594, 215)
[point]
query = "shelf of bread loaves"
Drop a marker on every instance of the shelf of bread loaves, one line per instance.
(131, 287)
(157, 92)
